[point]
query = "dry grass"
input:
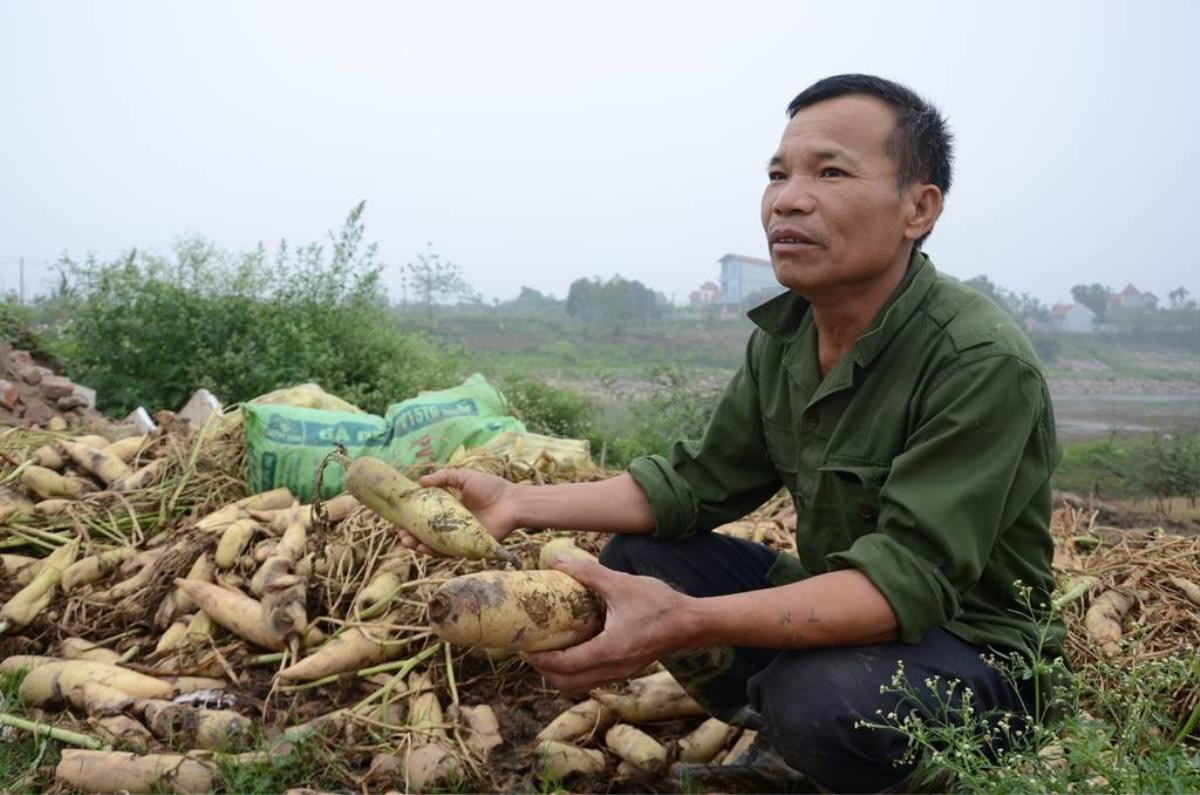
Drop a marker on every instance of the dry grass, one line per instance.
(364, 711)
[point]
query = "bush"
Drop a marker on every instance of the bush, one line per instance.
(1048, 346)
(16, 327)
(651, 425)
(1157, 465)
(548, 409)
(147, 330)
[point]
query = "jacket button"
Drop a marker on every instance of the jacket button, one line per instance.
(866, 511)
(811, 420)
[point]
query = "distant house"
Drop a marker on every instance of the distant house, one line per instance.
(1132, 298)
(742, 277)
(1072, 318)
(708, 293)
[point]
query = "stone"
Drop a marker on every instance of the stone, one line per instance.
(30, 374)
(71, 402)
(19, 358)
(9, 396)
(140, 418)
(55, 386)
(38, 413)
(87, 393)
(200, 406)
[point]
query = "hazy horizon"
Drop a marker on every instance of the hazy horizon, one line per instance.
(534, 144)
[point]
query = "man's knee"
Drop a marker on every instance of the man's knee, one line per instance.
(643, 554)
(624, 551)
(813, 705)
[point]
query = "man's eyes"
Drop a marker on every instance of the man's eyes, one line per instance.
(829, 172)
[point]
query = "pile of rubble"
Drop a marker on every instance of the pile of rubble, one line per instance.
(32, 395)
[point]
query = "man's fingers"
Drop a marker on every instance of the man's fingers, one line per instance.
(409, 541)
(584, 657)
(587, 572)
(443, 478)
(581, 682)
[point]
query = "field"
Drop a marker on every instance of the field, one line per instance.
(1128, 410)
(1130, 713)
(1101, 388)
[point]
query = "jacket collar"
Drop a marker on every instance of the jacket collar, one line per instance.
(785, 315)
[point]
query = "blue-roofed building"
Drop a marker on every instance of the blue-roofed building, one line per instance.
(742, 277)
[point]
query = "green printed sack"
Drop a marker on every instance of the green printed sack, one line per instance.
(285, 444)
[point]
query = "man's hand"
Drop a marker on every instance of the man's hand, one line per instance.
(644, 620)
(492, 499)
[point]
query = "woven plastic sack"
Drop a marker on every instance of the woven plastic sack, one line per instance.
(285, 444)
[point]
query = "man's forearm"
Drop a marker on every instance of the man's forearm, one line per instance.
(616, 505)
(841, 608)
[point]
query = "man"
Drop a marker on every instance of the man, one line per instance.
(907, 417)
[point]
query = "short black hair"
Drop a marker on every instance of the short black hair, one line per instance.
(921, 144)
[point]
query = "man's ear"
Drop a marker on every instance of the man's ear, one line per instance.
(925, 205)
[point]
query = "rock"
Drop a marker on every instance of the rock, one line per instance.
(9, 396)
(87, 393)
(19, 358)
(55, 386)
(140, 418)
(200, 406)
(30, 374)
(71, 402)
(38, 413)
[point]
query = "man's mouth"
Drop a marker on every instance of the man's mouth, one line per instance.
(792, 239)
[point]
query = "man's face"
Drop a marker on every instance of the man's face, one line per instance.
(832, 210)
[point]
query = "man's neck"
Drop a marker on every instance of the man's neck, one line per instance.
(844, 315)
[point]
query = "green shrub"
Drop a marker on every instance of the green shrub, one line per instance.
(652, 425)
(1048, 346)
(1120, 467)
(548, 409)
(16, 327)
(148, 330)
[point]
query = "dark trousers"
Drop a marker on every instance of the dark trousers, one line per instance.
(807, 703)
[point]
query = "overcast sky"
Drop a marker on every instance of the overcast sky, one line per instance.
(537, 143)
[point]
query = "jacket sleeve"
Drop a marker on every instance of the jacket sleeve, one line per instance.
(979, 452)
(723, 477)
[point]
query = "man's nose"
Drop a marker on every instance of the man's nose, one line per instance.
(795, 196)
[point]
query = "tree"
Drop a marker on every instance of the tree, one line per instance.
(615, 303)
(1020, 306)
(431, 280)
(984, 285)
(1026, 305)
(1093, 296)
(1178, 297)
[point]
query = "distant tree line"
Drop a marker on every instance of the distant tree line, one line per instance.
(1021, 306)
(615, 304)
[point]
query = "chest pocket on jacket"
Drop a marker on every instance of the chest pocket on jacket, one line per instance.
(781, 447)
(846, 503)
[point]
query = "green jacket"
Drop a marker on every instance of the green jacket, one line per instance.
(923, 459)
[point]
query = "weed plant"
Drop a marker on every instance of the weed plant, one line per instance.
(148, 330)
(1161, 466)
(1084, 736)
(24, 758)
